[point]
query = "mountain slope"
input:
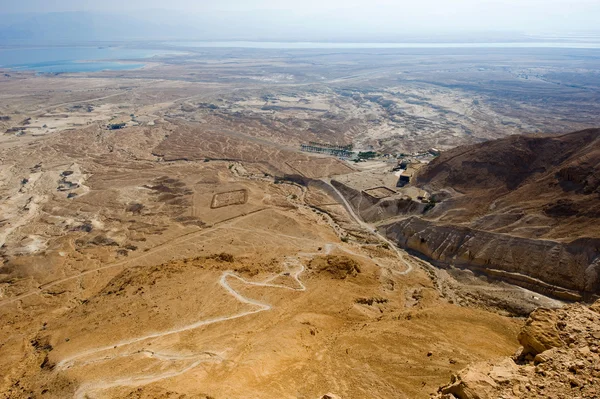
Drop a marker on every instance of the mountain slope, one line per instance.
(522, 209)
(510, 185)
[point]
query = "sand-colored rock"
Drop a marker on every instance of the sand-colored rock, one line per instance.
(140, 287)
(566, 365)
(131, 269)
(550, 267)
(540, 333)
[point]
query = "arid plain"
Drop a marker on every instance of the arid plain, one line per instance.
(196, 252)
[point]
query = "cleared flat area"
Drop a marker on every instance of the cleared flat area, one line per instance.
(238, 197)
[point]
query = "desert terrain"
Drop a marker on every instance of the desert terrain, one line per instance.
(162, 235)
(125, 275)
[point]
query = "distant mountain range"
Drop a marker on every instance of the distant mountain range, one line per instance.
(87, 26)
(264, 25)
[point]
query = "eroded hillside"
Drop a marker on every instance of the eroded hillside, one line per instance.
(522, 209)
(162, 236)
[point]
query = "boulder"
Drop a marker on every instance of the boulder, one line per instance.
(540, 333)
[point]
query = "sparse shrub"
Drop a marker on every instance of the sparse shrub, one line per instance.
(370, 301)
(345, 239)
(116, 126)
(223, 257)
(122, 252)
(85, 227)
(431, 204)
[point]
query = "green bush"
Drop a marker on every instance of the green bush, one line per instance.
(367, 155)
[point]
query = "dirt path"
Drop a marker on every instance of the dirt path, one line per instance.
(83, 390)
(292, 267)
(371, 228)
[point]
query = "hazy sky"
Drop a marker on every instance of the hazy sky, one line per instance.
(387, 16)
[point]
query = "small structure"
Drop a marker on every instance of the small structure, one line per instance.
(116, 126)
(401, 165)
(228, 198)
(380, 192)
(342, 151)
(403, 180)
(406, 176)
(434, 151)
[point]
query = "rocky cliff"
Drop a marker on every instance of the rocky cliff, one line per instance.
(559, 358)
(569, 271)
(523, 209)
(530, 186)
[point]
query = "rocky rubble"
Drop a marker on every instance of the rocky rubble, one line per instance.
(559, 358)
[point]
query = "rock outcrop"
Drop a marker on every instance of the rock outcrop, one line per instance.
(528, 186)
(559, 358)
(565, 270)
(523, 209)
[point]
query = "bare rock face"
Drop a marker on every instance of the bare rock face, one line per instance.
(480, 381)
(558, 269)
(539, 333)
(559, 359)
(523, 210)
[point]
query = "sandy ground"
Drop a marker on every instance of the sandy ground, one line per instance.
(120, 278)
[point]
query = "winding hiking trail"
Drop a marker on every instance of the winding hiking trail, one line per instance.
(292, 267)
(222, 224)
(173, 364)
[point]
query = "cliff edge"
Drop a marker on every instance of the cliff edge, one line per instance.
(524, 209)
(558, 358)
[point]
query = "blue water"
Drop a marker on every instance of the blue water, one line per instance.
(73, 59)
(59, 59)
(323, 45)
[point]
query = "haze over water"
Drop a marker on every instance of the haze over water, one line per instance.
(63, 59)
(342, 45)
(74, 59)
